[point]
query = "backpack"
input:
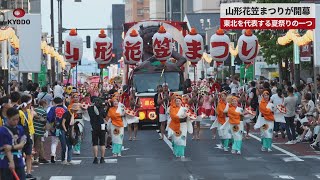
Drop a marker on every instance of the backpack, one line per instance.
(58, 112)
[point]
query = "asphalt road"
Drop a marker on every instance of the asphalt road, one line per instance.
(151, 159)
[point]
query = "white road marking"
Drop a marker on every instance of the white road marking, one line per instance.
(166, 140)
(279, 149)
(218, 146)
(317, 176)
(310, 157)
(60, 178)
(111, 178)
(254, 159)
(191, 177)
(111, 161)
(76, 162)
(286, 177)
(291, 159)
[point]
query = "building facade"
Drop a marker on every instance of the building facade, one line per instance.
(157, 9)
(210, 6)
(14, 4)
(137, 10)
(118, 19)
(170, 9)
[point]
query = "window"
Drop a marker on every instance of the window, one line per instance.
(140, 12)
(140, 1)
(148, 82)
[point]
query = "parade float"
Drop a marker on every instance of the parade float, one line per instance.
(155, 60)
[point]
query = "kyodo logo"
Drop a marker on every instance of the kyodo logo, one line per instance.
(18, 14)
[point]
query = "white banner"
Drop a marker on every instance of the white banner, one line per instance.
(316, 41)
(30, 44)
(267, 10)
(4, 56)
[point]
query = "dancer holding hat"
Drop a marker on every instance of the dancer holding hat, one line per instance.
(236, 125)
(266, 121)
(224, 136)
(115, 114)
(179, 126)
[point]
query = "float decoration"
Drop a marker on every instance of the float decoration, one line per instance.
(248, 46)
(219, 47)
(193, 47)
(102, 49)
(73, 48)
(132, 48)
(162, 45)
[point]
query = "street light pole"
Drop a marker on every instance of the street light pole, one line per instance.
(60, 31)
(52, 71)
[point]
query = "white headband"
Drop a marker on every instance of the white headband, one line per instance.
(25, 104)
(164, 84)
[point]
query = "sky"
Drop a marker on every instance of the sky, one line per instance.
(85, 14)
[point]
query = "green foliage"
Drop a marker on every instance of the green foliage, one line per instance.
(271, 50)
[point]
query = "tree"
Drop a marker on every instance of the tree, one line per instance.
(271, 50)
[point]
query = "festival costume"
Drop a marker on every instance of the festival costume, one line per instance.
(236, 127)
(163, 110)
(11, 136)
(27, 120)
(223, 133)
(179, 126)
(78, 119)
(132, 117)
(197, 109)
(117, 127)
(207, 105)
(265, 122)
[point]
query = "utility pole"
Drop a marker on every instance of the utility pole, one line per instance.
(60, 32)
(52, 71)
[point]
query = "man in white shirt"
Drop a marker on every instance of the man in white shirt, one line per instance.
(58, 90)
(234, 86)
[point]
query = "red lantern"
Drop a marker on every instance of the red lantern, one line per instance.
(248, 47)
(133, 48)
(193, 46)
(73, 48)
(219, 47)
(162, 45)
(102, 49)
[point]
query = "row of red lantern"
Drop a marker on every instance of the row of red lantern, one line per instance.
(102, 49)
(162, 47)
(247, 45)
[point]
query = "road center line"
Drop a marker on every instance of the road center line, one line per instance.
(278, 148)
(166, 140)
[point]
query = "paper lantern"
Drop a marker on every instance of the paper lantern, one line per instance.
(73, 48)
(132, 48)
(193, 47)
(219, 47)
(102, 49)
(162, 45)
(248, 47)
